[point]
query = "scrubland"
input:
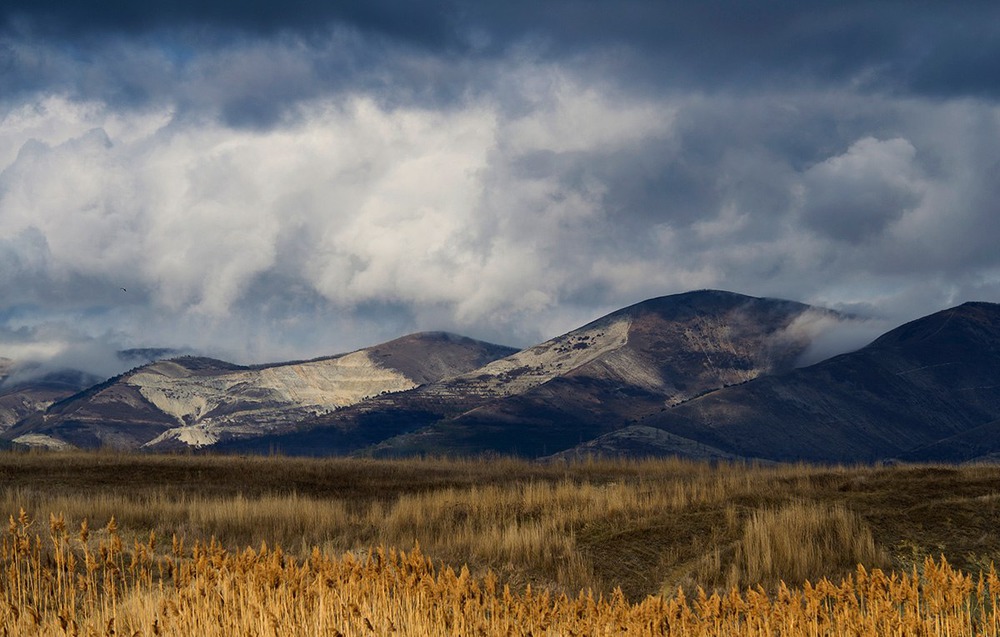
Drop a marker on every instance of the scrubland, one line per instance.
(102, 542)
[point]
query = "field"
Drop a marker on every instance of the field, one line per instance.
(492, 546)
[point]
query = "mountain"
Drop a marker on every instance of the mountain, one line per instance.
(593, 380)
(28, 387)
(196, 401)
(642, 441)
(707, 374)
(979, 444)
(928, 390)
(22, 397)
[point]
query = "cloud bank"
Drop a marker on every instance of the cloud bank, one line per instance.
(270, 183)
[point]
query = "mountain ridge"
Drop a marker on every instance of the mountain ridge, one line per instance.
(911, 387)
(629, 361)
(196, 401)
(705, 374)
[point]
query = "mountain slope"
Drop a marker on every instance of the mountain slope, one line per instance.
(932, 379)
(30, 387)
(595, 379)
(18, 400)
(190, 401)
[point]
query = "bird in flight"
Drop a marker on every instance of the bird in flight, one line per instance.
(124, 290)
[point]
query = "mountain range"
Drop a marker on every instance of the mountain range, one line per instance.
(705, 374)
(192, 401)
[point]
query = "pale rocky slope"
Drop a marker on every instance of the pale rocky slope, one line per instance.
(537, 365)
(190, 401)
(255, 401)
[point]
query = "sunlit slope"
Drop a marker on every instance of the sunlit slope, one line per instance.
(594, 379)
(192, 401)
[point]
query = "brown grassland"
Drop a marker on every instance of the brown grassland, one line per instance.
(108, 543)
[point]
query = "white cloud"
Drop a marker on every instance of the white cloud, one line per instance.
(829, 334)
(351, 200)
(566, 116)
(504, 203)
(854, 196)
(54, 119)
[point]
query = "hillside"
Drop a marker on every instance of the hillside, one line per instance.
(192, 401)
(926, 390)
(20, 399)
(592, 380)
(707, 374)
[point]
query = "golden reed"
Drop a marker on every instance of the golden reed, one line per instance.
(87, 582)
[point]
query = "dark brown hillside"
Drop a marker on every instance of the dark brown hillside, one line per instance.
(427, 357)
(933, 379)
(22, 399)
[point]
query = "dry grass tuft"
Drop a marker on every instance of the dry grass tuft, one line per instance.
(802, 541)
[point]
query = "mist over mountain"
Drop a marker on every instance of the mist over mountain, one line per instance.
(924, 391)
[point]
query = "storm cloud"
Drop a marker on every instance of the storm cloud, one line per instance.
(271, 181)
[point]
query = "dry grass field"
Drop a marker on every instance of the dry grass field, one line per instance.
(106, 543)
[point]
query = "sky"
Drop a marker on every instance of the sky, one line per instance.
(265, 181)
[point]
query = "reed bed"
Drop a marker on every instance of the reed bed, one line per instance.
(532, 531)
(646, 527)
(57, 582)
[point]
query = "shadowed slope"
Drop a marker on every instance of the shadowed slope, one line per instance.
(929, 380)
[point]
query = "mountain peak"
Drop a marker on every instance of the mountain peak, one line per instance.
(688, 304)
(611, 372)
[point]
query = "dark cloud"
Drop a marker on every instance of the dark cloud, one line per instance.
(930, 48)
(944, 49)
(426, 21)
